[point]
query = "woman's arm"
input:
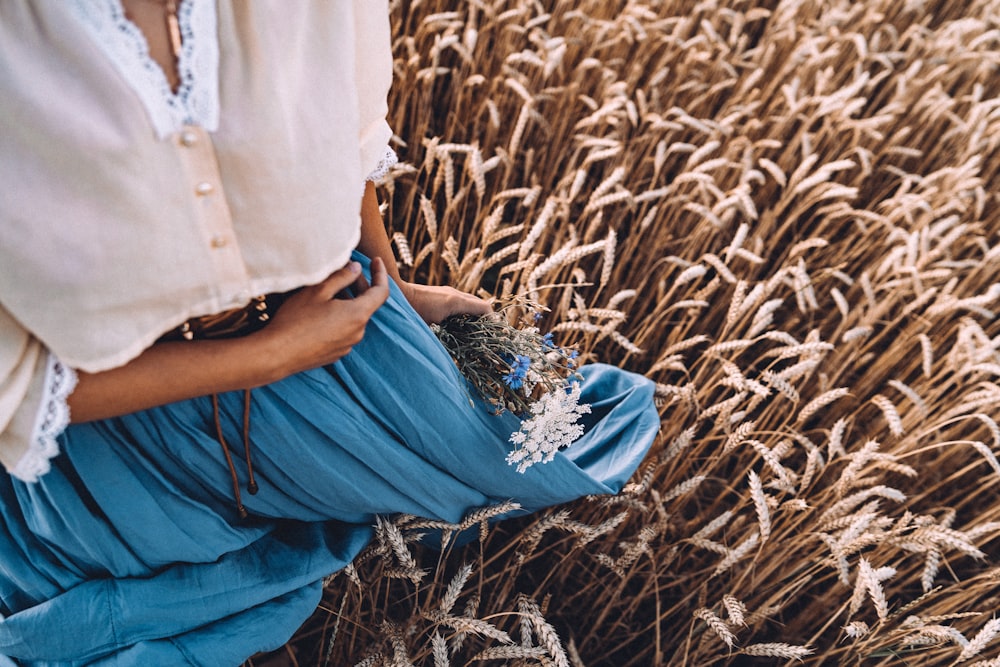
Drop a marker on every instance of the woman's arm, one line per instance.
(374, 241)
(312, 328)
(433, 303)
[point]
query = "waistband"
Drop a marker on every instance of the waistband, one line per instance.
(230, 323)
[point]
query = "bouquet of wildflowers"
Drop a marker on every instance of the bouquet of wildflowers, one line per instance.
(515, 368)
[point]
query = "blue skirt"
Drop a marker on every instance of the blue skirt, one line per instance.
(130, 551)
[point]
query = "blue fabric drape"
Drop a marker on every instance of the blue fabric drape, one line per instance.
(130, 552)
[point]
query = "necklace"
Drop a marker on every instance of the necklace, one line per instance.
(174, 28)
(169, 8)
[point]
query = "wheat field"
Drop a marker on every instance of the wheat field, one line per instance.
(785, 213)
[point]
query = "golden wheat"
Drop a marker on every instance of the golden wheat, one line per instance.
(786, 214)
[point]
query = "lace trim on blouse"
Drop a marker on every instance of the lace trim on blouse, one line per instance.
(50, 421)
(196, 101)
(385, 163)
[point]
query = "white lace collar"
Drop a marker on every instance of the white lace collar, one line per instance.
(197, 98)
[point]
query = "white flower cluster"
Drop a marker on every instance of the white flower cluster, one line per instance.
(553, 425)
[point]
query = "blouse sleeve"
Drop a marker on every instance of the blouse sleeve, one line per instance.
(34, 386)
(382, 167)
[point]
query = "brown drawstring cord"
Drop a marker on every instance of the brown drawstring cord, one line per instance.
(251, 484)
(228, 324)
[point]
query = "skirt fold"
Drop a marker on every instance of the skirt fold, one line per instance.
(130, 550)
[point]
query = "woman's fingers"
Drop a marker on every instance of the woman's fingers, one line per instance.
(434, 303)
(313, 328)
(351, 277)
(473, 305)
(378, 291)
(360, 286)
(338, 281)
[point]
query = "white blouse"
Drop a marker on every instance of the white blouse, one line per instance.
(129, 208)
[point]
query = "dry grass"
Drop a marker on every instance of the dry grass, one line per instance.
(783, 212)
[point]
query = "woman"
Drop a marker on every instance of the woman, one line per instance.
(207, 388)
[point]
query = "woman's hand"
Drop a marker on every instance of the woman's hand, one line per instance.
(313, 327)
(320, 323)
(434, 304)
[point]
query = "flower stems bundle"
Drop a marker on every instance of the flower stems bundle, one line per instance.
(508, 364)
(513, 367)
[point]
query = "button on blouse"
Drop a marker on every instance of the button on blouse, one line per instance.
(172, 217)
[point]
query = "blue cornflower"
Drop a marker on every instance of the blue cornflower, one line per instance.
(518, 371)
(547, 341)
